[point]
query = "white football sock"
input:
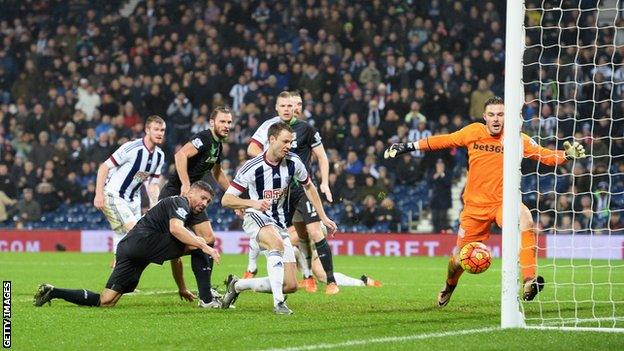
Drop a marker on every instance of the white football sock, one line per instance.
(301, 263)
(256, 284)
(306, 254)
(252, 260)
(116, 239)
(275, 267)
(345, 280)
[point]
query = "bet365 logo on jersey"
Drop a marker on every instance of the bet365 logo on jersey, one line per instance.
(273, 194)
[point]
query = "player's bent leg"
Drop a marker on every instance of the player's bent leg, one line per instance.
(454, 272)
(317, 268)
(252, 263)
(325, 255)
(290, 267)
(305, 253)
(202, 265)
(46, 292)
(109, 298)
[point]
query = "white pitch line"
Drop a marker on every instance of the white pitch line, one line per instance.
(385, 340)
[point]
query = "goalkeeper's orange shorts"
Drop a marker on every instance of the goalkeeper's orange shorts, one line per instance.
(475, 223)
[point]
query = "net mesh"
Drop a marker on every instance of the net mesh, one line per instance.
(573, 76)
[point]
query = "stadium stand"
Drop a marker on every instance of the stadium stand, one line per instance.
(77, 79)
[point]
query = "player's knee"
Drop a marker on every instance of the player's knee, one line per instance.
(209, 238)
(108, 301)
(289, 287)
(277, 246)
(294, 240)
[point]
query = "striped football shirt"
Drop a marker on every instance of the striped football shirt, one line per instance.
(131, 165)
(264, 180)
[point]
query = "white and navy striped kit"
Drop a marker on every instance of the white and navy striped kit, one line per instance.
(131, 165)
(264, 180)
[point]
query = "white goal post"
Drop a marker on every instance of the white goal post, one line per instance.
(564, 81)
(511, 316)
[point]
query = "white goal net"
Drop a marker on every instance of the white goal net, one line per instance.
(573, 79)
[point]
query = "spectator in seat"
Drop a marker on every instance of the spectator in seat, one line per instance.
(179, 121)
(47, 197)
(370, 188)
(99, 152)
(478, 99)
(88, 100)
(7, 183)
(349, 215)
(130, 115)
(409, 173)
(441, 202)
(369, 212)
(349, 192)
(41, 151)
(388, 213)
(27, 209)
(354, 165)
(355, 141)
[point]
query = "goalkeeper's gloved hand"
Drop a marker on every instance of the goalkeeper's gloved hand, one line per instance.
(399, 148)
(574, 150)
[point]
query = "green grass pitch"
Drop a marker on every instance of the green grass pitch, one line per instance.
(399, 316)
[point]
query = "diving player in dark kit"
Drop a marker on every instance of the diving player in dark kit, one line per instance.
(160, 235)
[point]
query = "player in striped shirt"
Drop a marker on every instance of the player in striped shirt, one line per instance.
(119, 179)
(267, 178)
(303, 218)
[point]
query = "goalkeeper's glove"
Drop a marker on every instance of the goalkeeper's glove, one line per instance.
(399, 148)
(574, 150)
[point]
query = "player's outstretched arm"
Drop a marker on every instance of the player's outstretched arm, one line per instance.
(436, 142)
(397, 149)
(315, 199)
(534, 151)
(574, 150)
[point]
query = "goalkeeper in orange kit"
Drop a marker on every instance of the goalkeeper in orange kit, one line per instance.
(483, 195)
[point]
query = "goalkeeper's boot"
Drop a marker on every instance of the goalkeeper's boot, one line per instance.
(532, 286)
(231, 294)
(42, 296)
(445, 294)
(249, 274)
(368, 281)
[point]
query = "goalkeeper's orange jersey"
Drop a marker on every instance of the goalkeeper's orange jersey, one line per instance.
(484, 186)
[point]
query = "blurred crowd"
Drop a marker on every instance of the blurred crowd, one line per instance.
(77, 79)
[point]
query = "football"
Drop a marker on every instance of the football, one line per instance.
(475, 258)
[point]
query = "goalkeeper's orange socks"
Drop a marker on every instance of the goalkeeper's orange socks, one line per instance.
(528, 253)
(454, 271)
